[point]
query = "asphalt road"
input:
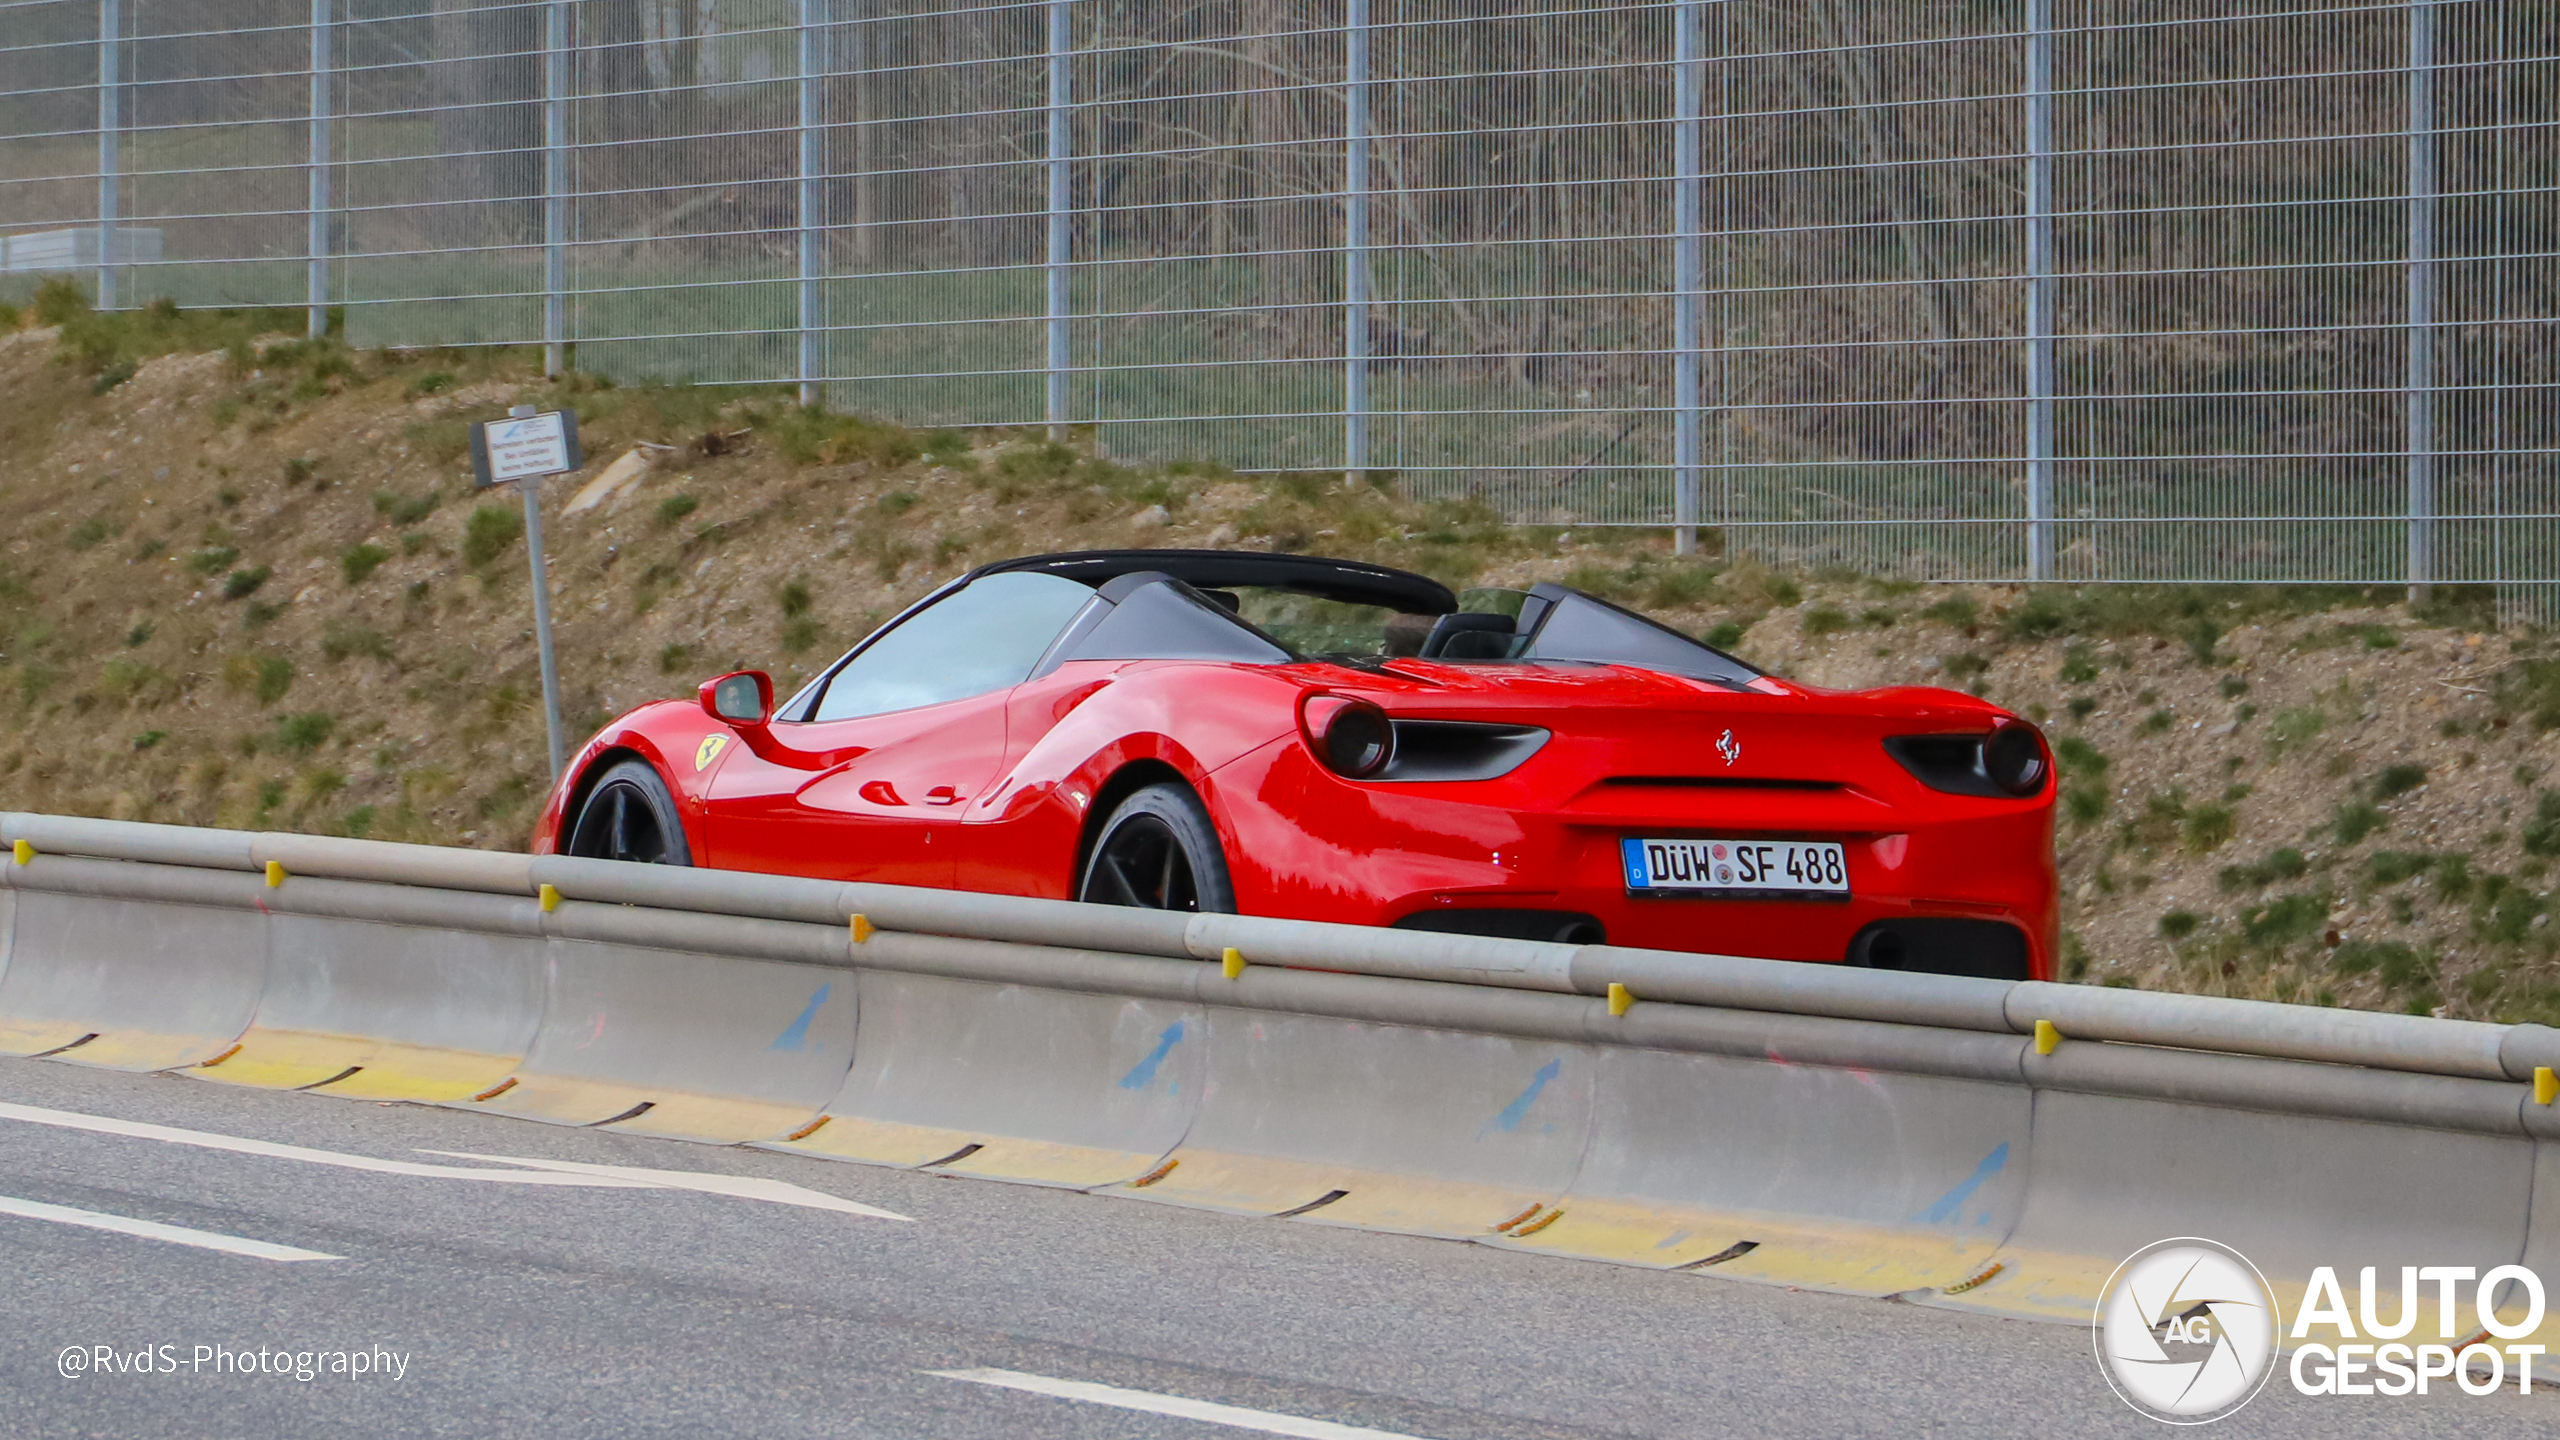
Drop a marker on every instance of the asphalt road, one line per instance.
(570, 1311)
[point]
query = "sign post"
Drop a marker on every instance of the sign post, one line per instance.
(522, 449)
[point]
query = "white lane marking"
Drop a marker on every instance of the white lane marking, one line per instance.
(542, 1172)
(207, 1140)
(743, 1187)
(1147, 1400)
(154, 1230)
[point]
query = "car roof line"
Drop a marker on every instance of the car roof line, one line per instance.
(1350, 581)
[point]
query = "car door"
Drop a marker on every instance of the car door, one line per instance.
(870, 798)
(903, 734)
(1019, 840)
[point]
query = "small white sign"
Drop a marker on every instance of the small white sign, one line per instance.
(524, 447)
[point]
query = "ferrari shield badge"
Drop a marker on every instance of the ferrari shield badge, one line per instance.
(709, 751)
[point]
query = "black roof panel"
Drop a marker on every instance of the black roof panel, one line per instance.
(1344, 580)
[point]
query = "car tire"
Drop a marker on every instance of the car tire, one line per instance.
(1159, 851)
(629, 814)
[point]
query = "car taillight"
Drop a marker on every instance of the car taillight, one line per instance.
(2013, 757)
(1351, 737)
(2009, 762)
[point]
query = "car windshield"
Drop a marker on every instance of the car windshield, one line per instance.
(992, 633)
(983, 637)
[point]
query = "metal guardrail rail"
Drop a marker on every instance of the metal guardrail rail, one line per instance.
(1961, 1142)
(2191, 1022)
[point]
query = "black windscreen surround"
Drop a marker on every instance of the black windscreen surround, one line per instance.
(1156, 617)
(1347, 581)
(1576, 626)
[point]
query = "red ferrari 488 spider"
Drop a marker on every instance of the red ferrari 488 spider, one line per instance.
(1284, 735)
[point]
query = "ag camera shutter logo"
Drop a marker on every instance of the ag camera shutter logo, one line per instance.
(2186, 1331)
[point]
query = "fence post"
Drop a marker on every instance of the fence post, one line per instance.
(866, 159)
(2421, 379)
(1061, 216)
(2040, 298)
(556, 60)
(110, 133)
(1355, 240)
(1687, 273)
(316, 290)
(814, 18)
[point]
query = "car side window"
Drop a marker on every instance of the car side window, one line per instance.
(982, 637)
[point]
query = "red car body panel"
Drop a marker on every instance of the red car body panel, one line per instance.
(1000, 793)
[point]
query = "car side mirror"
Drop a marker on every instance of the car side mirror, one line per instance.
(744, 698)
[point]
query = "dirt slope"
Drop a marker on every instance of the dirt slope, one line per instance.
(246, 583)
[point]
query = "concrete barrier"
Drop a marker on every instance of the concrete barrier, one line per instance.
(1861, 1181)
(2412, 1043)
(886, 907)
(1383, 1127)
(2294, 1164)
(658, 1040)
(1845, 1130)
(166, 975)
(1012, 1082)
(383, 1011)
(8, 921)
(2542, 1239)
(2109, 1174)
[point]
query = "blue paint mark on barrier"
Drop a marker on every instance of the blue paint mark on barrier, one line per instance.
(1953, 1201)
(1513, 1113)
(1143, 1074)
(795, 1036)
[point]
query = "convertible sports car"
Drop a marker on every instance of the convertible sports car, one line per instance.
(1285, 735)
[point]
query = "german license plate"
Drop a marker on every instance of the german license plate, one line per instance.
(1735, 867)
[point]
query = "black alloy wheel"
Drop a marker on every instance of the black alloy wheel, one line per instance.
(629, 814)
(1159, 851)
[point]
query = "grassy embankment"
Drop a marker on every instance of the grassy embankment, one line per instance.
(243, 581)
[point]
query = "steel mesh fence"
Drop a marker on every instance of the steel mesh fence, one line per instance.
(2040, 289)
